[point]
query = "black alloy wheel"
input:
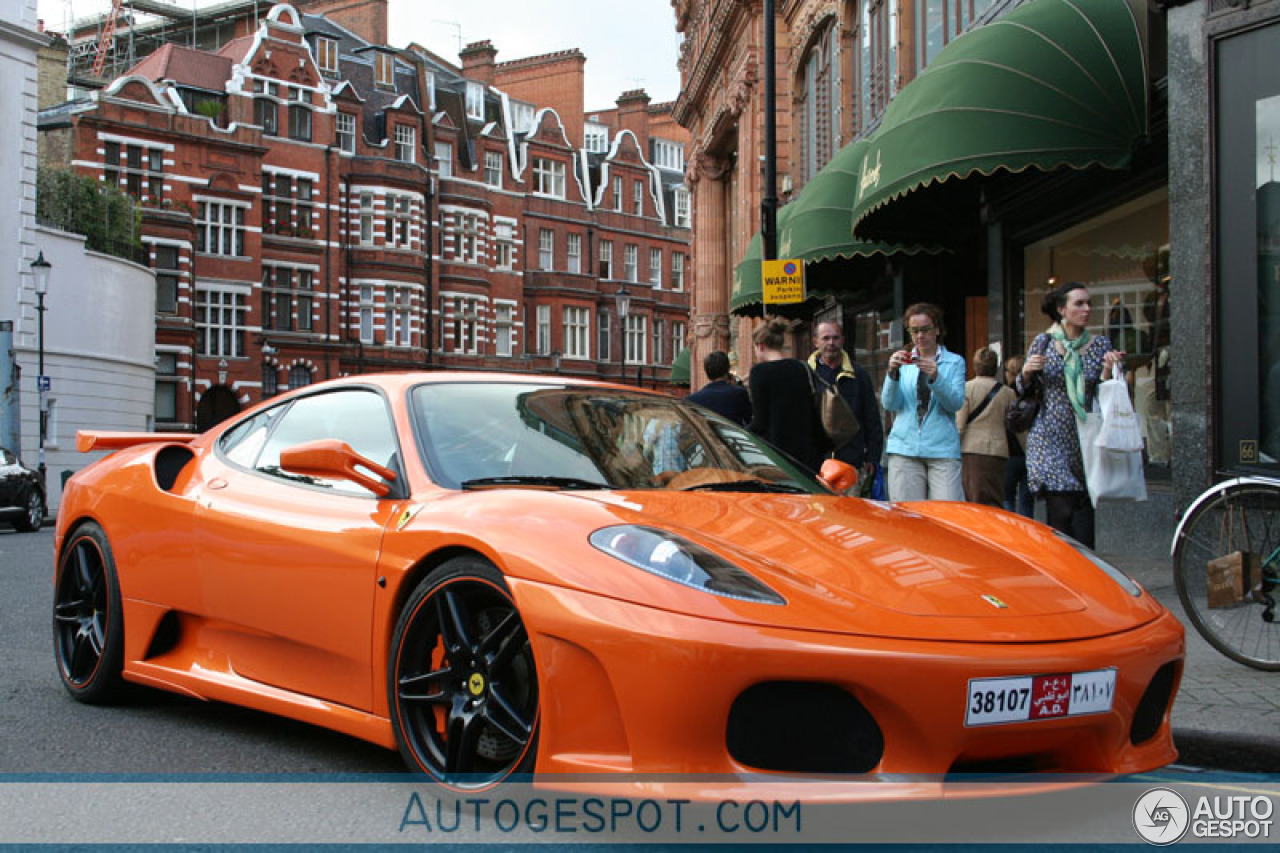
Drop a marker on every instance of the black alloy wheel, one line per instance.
(462, 681)
(34, 515)
(88, 624)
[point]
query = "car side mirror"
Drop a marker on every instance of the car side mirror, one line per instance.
(839, 476)
(335, 460)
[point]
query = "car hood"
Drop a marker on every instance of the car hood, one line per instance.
(931, 570)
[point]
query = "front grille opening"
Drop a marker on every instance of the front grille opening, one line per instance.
(1151, 709)
(1012, 765)
(803, 727)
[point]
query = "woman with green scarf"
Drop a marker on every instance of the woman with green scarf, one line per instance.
(1068, 362)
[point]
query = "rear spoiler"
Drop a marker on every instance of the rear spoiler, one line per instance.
(87, 440)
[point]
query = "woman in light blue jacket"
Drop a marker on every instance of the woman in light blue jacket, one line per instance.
(924, 388)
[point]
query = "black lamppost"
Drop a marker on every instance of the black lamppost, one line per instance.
(623, 299)
(40, 269)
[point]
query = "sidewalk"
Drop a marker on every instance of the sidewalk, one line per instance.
(1226, 715)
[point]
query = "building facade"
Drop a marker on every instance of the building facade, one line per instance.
(317, 204)
(979, 150)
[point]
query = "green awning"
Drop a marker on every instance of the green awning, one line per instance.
(818, 224)
(1054, 83)
(680, 374)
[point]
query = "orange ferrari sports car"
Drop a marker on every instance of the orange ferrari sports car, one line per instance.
(507, 574)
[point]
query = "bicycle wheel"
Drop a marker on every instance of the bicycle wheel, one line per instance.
(1238, 529)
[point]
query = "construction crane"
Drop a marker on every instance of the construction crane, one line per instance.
(108, 36)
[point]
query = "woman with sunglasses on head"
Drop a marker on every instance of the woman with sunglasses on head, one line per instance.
(924, 388)
(1068, 362)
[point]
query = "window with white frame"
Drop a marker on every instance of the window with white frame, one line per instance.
(466, 325)
(522, 116)
(606, 259)
(573, 261)
(220, 228)
(326, 50)
(636, 338)
(367, 308)
(165, 262)
(617, 192)
(682, 215)
(577, 331)
(406, 140)
(166, 387)
(668, 155)
(505, 331)
(431, 89)
(543, 325)
(493, 168)
(345, 130)
(219, 321)
(288, 204)
(265, 114)
(548, 177)
(399, 315)
(596, 138)
(659, 327)
(546, 249)
(134, 170)
(366, 219)
(504, 245)
(604, 321)
(655, 268)
(444, 159)
(637, 198)
(475, 100)
(399, 217)
(677, 340)
(631, 262)
(385, 71)
(677, 270)
(469, 238)
(300, 122)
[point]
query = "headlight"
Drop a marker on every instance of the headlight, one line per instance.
(677, 559)
(1129, 584)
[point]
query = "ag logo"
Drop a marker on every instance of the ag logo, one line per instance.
(1161, 816)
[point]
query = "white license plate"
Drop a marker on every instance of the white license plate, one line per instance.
(1039, 697)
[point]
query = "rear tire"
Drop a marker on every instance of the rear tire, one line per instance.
(462, 683)
(88, 621)
(34, 515)
(1243, 517)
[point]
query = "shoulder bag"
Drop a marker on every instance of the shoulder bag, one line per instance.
(838, 420)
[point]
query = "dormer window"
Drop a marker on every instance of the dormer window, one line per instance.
(385, 67)
(326, 53)
(475, 100)
(597, 138)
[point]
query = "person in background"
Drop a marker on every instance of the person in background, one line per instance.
(719, 394)
(924, 386)
(983, 447)
(1069, 361)
(1017, 495)
(832, 365)
(782, 410)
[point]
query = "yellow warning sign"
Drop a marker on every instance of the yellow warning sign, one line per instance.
(782, 281)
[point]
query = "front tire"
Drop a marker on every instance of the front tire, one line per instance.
(462, 684)
(88, 621)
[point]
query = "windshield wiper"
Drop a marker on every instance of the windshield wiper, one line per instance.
(746, 486)
(536, 482)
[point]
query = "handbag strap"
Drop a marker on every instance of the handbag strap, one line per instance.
(995, 389)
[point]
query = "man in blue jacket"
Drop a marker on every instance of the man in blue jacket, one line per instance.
(833, 365)
(719, 394)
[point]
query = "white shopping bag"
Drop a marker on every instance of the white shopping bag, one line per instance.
(1121, 429)
(1109, 473)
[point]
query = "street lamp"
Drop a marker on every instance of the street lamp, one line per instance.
(623, 299)
(40, 269)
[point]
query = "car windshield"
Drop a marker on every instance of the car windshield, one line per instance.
(493, 435)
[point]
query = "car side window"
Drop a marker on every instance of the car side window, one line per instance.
(242, 442)
(356, 416)
(7, 458)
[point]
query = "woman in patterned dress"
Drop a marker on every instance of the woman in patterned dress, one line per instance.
(1069, 362)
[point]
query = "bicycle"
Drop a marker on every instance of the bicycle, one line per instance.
(1226, 563)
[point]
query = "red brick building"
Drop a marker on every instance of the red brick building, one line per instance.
(316, 204)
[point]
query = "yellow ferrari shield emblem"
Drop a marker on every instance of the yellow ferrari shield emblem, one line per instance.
(994, 602)
(475, 684)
